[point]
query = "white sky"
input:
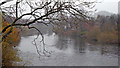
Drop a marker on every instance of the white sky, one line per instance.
(106, 5)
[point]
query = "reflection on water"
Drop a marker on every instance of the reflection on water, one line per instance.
(70, 51)
(80, 46)
(77, 42)
(62, 43)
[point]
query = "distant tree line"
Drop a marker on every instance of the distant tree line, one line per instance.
(104, 29)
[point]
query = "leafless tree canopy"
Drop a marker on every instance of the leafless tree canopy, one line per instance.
(45, 11)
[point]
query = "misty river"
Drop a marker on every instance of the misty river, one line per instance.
(66, 51)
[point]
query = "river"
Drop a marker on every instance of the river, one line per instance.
(67, 51)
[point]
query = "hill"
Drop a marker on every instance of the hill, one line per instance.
(103, 13)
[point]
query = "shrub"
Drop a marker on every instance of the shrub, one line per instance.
(93, 33)
(9, 53)
(107, 37)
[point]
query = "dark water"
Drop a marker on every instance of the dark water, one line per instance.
(67, 51)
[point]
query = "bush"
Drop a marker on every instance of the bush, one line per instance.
(107, 38)
(93, 33)
(9, 53)
(103, 37)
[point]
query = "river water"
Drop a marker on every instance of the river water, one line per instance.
(66, 51)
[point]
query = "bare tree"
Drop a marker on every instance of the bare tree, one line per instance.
(45, 12)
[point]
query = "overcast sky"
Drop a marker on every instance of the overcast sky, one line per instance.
(106, 5)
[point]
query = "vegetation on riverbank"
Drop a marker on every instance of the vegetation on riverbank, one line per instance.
(102, 30)
(9, 52)
(95, 34)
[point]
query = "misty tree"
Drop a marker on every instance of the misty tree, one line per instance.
(45, 12)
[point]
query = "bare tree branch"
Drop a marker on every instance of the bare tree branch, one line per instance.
(51, 10)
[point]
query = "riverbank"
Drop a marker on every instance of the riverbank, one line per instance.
(9, 52)
(94, 35)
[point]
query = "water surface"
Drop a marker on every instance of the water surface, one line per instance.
(66, 51)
